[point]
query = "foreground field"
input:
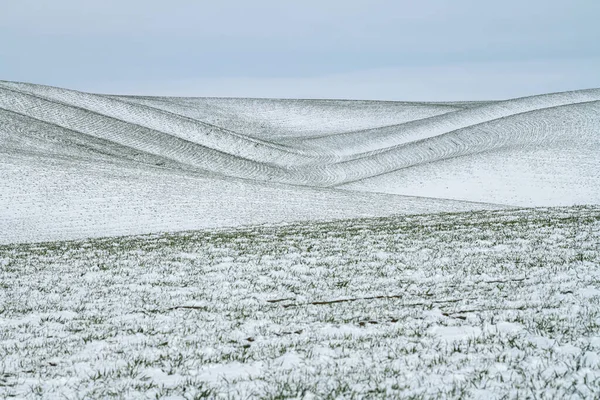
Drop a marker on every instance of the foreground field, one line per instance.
(487, 305)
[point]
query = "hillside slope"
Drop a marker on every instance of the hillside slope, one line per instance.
(77, 164)
(544, 157)
(73, 197)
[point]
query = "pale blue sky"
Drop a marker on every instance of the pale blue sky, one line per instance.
(377, 49)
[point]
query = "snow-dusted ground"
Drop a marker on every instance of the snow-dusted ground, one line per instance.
(548, 157)
(268, 302)
(76, 165)
(494, 304)
(46, 199)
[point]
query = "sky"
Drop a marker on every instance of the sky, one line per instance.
(428, 50)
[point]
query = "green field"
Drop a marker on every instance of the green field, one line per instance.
(492, 304)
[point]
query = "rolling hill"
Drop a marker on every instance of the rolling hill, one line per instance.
(76, 165)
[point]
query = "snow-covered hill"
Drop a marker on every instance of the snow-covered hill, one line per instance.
(76, 165)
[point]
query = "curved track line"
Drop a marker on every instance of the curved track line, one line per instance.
(463, 143)
(419, 142)
(182, 127)
(361, 142)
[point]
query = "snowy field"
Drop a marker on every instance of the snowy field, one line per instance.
(156, 247)
(489, 304)
(75, 165)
